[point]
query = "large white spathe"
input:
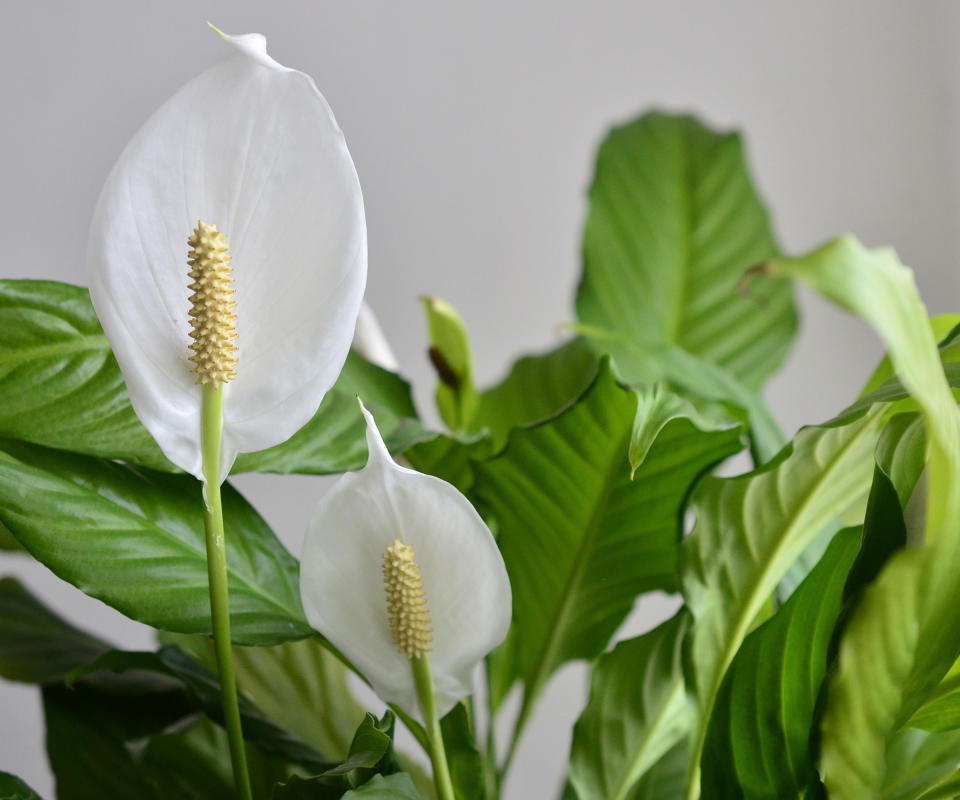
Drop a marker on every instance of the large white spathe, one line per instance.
(464, 578)
(253, 148)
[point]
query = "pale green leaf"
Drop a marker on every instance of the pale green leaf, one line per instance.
(902, 638)
(636, 713)
(758, 740)
(749, 530)
(450, 353)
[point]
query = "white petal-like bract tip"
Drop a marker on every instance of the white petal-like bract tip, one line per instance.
(464, 578)
(257, 152)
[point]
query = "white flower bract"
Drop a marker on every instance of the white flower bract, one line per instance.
(251, 147)
(465, 582)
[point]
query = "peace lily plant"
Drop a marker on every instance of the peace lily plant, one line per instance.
(814, 652)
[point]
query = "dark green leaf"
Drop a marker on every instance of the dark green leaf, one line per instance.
(637, 712)
(126, 673)
(12, 788)
(135, 540)
(60, 387)
(674, 223)
(333, 441)
(299, 685)
(581, 539)
(37, 646)
(466, 765)
(758, 741)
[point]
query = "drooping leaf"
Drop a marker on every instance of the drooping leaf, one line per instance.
(581, 539)
(299, 685)
(12, 788)
(903, 636)
(60, 387)
(636, 713)
(37, 646)
(749, 530)
(135, 540)
(758, 739)
(674, 223)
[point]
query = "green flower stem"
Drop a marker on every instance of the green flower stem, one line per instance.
(211, 435)
(423, 679)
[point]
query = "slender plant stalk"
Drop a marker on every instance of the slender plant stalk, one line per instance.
(212, 426)
(423, 679)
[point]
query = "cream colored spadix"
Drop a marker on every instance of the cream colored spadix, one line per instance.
(251, 147)
(214, 324)
(406, 604)
(369, 533)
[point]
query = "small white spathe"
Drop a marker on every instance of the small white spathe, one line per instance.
(464, 578)
(251, 147)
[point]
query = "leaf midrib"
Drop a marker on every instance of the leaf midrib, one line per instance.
(629, 775)
(562, 610)
(737, 633)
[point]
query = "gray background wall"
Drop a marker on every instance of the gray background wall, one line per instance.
(473, 128)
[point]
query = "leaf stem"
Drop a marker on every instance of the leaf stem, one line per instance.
(211, 435)
(423, 679)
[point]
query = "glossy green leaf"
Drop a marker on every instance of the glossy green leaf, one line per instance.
(60, 387)
(37, 646)
(674, 223)
(749, 530)
(12, 788)
(636, 713)
(299, 685)
(758, 740)
(903, 637)
(581, 539)
(135, 540)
